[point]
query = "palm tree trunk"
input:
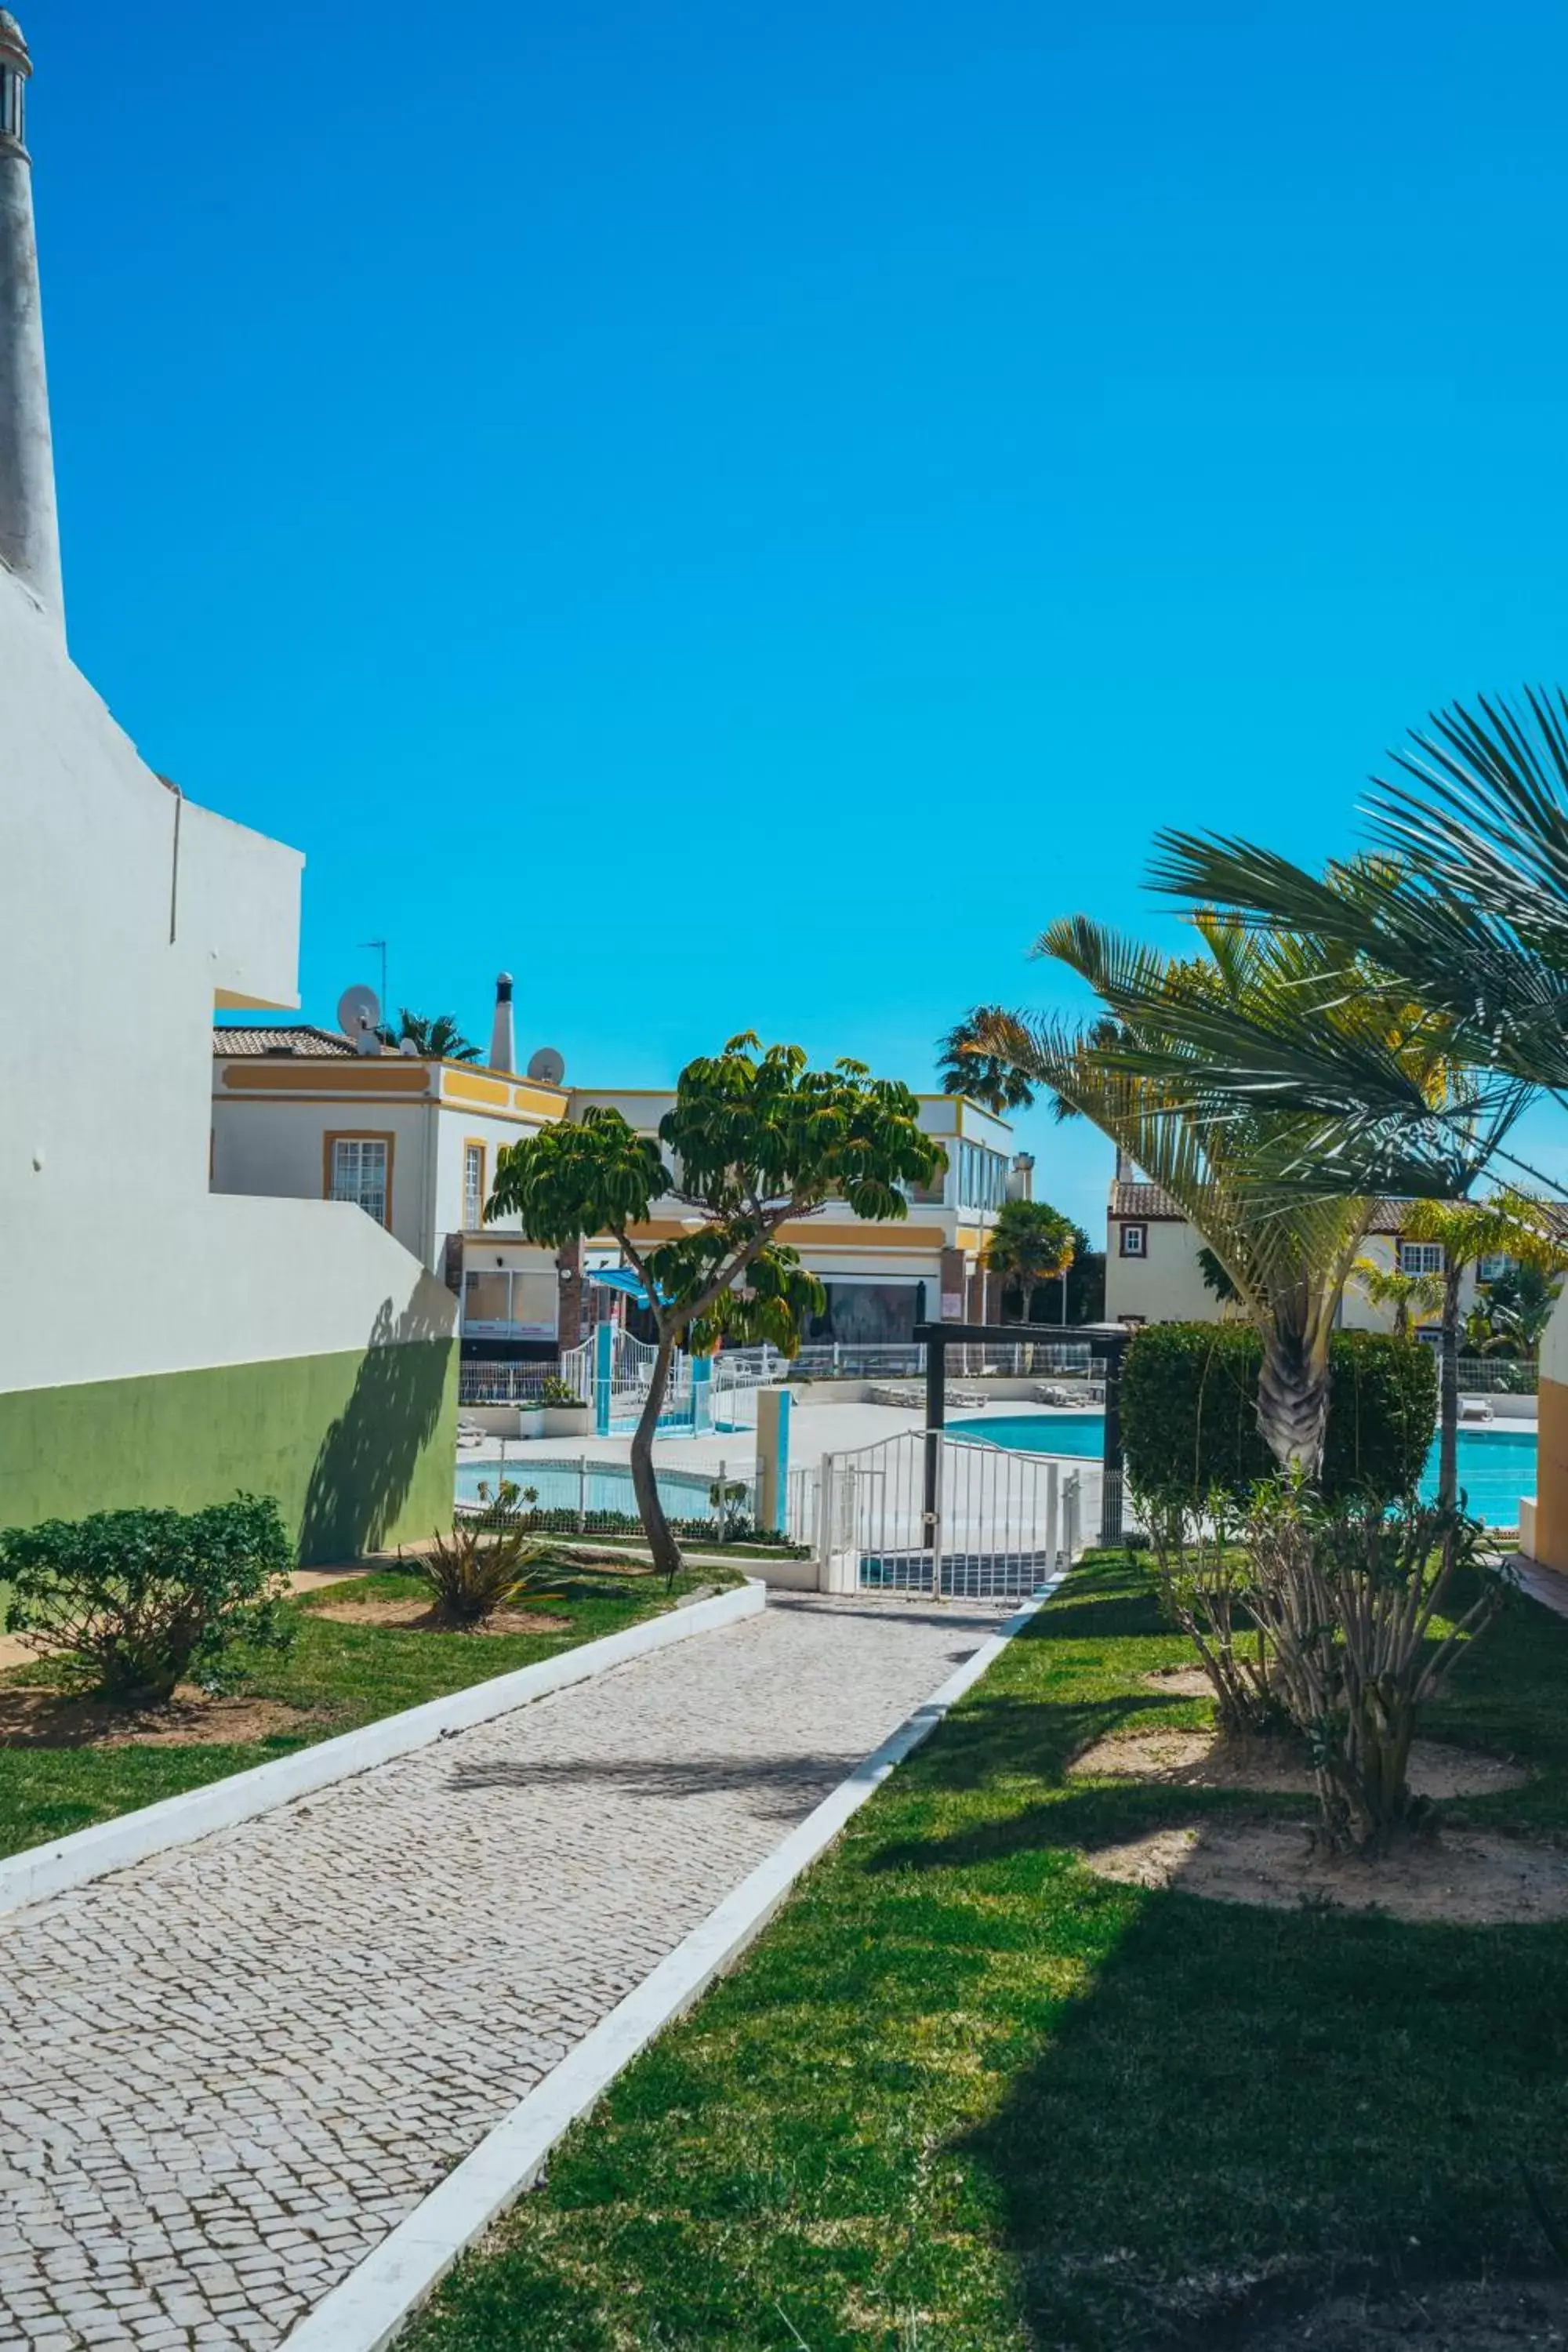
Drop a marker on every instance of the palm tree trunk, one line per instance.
(1448, 1393)
(662, 1541)
(1293, 1401)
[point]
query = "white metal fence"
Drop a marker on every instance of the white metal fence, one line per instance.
(1498, 1376)
(480, 1381)
(821, 1359)
(1003, 1522)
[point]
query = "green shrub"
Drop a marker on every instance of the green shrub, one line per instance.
(471, 1572)
(132, 1602)
(1189, 1423)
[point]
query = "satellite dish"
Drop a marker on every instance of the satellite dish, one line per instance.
(359, 1009)
(409, 1048)
(548, 1066)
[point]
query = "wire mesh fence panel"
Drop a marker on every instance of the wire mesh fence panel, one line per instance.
(480, 1381)
(1498, 1376)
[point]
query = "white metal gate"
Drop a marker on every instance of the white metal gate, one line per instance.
(1004, 1523)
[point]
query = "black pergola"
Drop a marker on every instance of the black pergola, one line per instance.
(1107, 1344)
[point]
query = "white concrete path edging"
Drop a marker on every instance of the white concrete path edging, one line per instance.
(90, 1854)
(373, 2304)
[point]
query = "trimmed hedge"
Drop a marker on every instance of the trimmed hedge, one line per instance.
(1189, 1421)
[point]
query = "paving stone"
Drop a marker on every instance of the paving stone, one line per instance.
(232, 2068)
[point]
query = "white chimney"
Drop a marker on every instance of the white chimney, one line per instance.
(503, 1042)
(29, 529)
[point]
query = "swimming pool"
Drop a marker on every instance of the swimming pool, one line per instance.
(1496, 1465)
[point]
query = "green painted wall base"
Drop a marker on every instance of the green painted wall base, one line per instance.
(358, 1449)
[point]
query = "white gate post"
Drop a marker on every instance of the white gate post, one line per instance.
(937, 1594)
(838, 1550)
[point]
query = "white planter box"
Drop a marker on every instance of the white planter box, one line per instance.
(567, 1420)
(531, 1420)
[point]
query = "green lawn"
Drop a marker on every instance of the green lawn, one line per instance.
(965, 2095)
(343, 1674)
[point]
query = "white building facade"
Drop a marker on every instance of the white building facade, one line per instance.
(159, 1345)
(1153, 1274)
(413, 1140)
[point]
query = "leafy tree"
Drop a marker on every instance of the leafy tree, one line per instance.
(1085, 1281)
(1216, 1279)
(1031, 1242)
(754, 1141)
(1139, 1073)
(441, 1038)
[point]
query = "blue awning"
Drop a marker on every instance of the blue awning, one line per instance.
(619, 1277)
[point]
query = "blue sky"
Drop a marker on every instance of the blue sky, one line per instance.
(741, 514)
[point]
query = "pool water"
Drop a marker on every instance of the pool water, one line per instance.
(1496, 1465)
(685, 1494)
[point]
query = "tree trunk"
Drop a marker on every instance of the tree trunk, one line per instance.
(1293, 1403)
(644, 1480)
(1448, 1393)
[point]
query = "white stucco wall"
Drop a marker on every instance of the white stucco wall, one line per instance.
(1164, 1285)
(277, 1148)
(116, 1258)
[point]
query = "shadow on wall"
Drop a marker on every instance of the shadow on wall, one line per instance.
(376, 1460)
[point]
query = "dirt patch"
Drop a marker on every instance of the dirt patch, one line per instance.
(30, 1718)
(418, 1617)
(1202, 1760)
(1495, 2316)
(1181, 1682)
(1471, 1878)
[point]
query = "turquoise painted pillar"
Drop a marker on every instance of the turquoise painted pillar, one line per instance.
(772, 1458)
(701, 1394)
(604, 1360)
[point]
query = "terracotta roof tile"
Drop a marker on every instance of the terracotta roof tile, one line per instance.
(1142, 1201)
(1152, 1201)
(282, 1037)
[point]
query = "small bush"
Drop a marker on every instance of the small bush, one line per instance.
(132, 1602)
(1204, 1580)
(474, 1572)
(554, 1391)
(1189, 1419)
(1353, 1598)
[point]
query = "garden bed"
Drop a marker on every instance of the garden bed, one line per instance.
(66, 1763)
(966, 2093)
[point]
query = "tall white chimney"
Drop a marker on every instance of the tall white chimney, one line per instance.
(503, 1040)
(29, 530)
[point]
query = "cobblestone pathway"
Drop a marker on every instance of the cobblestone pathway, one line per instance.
(227, 2072)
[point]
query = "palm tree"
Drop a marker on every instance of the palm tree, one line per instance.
(1410, 1295)
(1520, 1305)
(440, 1039)
(1468, 1230)
(1138, 1072)
(1030, 1242)
(1463, 909)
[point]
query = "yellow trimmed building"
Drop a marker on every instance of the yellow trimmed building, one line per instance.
(302, 1112)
